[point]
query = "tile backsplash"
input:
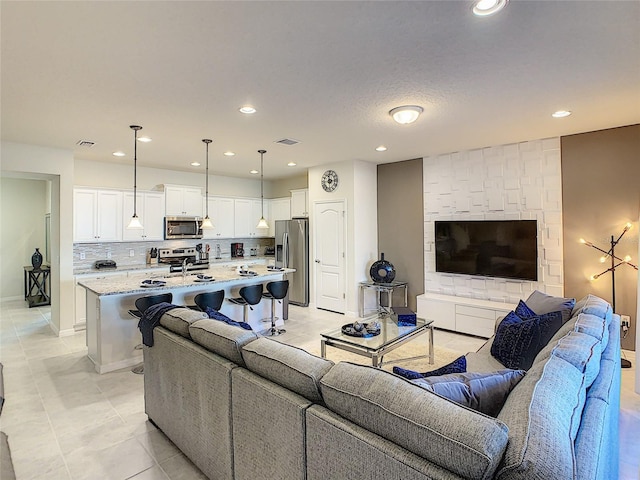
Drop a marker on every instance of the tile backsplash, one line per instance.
(135, 253)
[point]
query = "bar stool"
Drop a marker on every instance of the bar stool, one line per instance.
(276, 291)
(212, 300)
(142, 303)
(249, 296)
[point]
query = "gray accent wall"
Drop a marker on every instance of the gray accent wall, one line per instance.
(600, 194)
(401, 223)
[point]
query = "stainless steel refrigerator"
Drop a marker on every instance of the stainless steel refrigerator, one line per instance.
(292, 251)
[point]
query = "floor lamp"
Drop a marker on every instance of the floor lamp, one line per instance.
(611, 254)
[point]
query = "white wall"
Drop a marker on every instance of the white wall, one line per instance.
(23, 204)
(638, 329)
(517, 181)
(107, 175)
(55, 165)
(357, 186)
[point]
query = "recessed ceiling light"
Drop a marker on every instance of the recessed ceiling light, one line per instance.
(119, 154)
(247, 109)
(483, 8)
(253, 172)
(561, 114)
(229, 154)
(291, 164)
(195, 164)
(144, 139)
(381, 148)
(406, 114)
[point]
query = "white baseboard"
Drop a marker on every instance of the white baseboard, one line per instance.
(11, 299)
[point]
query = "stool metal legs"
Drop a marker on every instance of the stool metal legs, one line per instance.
(273, 331)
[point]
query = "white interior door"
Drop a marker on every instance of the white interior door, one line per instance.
(329, 248)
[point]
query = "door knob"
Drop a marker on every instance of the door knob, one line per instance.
(317, 261)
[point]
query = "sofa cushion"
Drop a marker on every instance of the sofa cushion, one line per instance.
(290, 367)
(594, 306)
(218, 337)
(483, 392)
(543, 413)
(179, 319)
(518, 341)
(583, 323)
(459, 365)
(542, 303)
(459, 439)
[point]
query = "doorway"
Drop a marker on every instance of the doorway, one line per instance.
(329, 249)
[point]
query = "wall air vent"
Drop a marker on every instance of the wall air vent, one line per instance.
(287, 141)
(85, 143)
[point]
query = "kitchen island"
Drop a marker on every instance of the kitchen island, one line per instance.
(112, 333)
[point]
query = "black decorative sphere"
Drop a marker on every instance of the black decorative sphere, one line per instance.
(382, 271)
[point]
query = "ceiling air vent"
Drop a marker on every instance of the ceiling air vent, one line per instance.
(85, 143)
(287, 141)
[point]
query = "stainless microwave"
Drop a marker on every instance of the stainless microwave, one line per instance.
(182, 227)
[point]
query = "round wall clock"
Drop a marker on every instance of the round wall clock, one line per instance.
(329, 181)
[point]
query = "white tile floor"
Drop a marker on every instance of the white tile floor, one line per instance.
(64, 421)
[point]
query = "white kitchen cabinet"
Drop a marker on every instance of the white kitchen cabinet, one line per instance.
(300, 203)
(242, 214)
(183, 201)
(280, 210)
(150, 210)
(222, 215)
(97, 215)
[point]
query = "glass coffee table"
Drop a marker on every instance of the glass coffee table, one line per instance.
(376, 347)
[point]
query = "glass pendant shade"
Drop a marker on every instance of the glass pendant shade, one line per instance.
(134, 223)
(206, 222)
(262, 223)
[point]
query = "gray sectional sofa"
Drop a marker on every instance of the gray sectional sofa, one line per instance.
(246, 407)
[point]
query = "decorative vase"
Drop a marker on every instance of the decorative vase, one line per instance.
(382, 271)
(36, 259)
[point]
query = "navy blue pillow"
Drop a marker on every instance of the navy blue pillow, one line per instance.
(523, 311)
(518, 341)
(459, 365)
(216, 315)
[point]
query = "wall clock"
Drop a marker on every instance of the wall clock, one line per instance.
(329, 181)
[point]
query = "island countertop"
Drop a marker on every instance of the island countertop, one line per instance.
(133, 283)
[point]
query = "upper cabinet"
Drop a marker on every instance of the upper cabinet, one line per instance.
(150, 210)
(97, 215)
(221, 213)
(247, 213)
(280, 210)
(300, 203)
(183, 201)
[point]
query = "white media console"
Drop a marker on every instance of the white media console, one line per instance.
(460, 314)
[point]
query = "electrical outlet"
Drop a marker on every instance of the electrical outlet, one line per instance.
(82, 256)
(132, 253)
(625, 320)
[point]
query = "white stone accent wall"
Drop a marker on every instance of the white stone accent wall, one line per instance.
(507, 182)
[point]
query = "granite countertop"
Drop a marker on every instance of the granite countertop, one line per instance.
(145, 266)
(133, 282)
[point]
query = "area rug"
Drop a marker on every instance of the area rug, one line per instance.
(413, 348)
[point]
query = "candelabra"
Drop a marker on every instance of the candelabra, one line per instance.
(611, 254)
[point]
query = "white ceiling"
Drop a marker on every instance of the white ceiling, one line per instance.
(324, 73)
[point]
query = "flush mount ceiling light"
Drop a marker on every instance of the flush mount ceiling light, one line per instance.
(144, 139)
(248, 109)
(228, 154)
(195, 164)
(381, 148)
(119, 154)
(484, 8)
(253, 172)
(561, 114)
(262, 223)
(291, 164)
(134, 223)
(406, 114)
(206, 223)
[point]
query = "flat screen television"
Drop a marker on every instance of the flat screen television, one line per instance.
(488, 248)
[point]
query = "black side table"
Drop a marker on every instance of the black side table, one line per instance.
(36, 286)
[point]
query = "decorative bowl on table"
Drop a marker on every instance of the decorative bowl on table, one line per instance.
(364, 330)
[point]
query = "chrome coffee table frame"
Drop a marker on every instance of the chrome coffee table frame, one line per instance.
(391, 337)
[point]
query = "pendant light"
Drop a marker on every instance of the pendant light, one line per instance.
(206, 223)
(262, 223)
(134, 223)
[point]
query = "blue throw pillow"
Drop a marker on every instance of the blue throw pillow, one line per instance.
(518, 341)
(523, 311)
(216, 315)
(459, 365)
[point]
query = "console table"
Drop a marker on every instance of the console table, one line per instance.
(380, 288)
(36, 286)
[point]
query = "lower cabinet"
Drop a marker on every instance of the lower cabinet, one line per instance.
(464, 315)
